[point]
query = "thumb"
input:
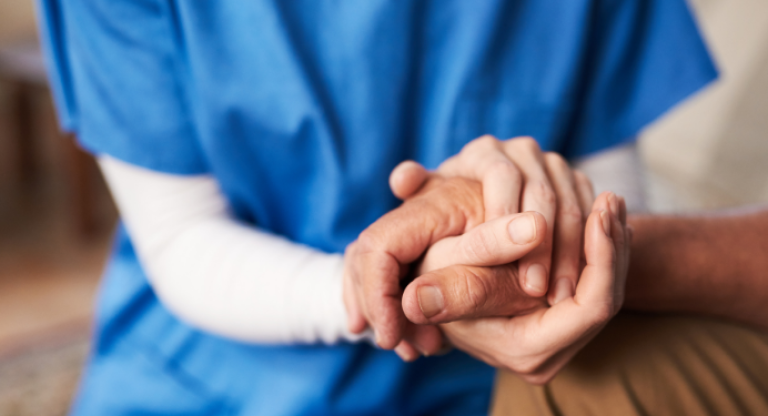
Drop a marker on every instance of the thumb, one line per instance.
(465, 292)
(493, 243)
(407, 178)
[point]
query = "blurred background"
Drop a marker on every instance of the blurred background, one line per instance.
(56, 217)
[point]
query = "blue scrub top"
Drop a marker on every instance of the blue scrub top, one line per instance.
(301, 109)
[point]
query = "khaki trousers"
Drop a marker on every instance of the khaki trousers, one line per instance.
(652, 365)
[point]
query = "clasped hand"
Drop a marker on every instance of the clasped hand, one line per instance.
(520, 290)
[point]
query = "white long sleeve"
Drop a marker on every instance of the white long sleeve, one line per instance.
(619, 170)
(221, 275)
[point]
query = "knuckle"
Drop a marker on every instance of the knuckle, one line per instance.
(556, 162)
(482, 143)
(505, 169)
(461, 189)
(472, 287)
(570, 212)
(526, 143)
(543, 192)
(366, 242)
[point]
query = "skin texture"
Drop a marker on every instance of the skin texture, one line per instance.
(472, 286)
(378, 260)
(537, 345)
(515, 169)
(538, 341)
(712, 265)
(473, 272)
(517, 178)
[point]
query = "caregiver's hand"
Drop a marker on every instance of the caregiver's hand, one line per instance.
(539, 344)
(517, 177)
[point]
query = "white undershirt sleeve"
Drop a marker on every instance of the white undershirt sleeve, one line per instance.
(221, 275)
(620, 170)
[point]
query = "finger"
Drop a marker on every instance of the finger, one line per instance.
(547, 334)
(407, 178)
(484, 160)
(581, 317)
(355, 319)
(585, 191)
(378, 296)
(427, 339)
(596, 286)
(568, 230)
(621, 240)
(461, 292)
(406, 351)
(450, 208)
(538, 195)
(493, 243)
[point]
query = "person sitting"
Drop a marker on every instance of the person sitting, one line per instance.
(704, 349)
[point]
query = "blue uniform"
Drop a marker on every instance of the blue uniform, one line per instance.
(301, 109)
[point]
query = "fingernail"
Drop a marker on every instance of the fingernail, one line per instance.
(536, 279)
(563, 290)
(522, 230)
(431, 300)
(606, 222)
(614, 203)
(377, 338)
(423, 351)
(405, 353)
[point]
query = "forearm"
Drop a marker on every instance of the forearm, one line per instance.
(710, 265)
(219, 274)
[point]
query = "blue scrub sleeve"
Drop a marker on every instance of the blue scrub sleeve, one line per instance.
(117, 77)
(644, 58)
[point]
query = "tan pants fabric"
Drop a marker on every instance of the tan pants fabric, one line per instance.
(646, 365)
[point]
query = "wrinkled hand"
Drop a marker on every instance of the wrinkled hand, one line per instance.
(377, 261)
(537, 345)
(517, 176)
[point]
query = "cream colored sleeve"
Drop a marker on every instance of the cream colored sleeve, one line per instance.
(221, 275)
(619, 170)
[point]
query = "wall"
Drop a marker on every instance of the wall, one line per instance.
(17, 20)
(713, 150)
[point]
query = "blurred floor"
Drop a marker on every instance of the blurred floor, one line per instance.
(48, 278)
(49, 268)
(47, 271)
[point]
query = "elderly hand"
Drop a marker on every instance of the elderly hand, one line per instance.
(516, 176)
(537, 345)
(377, 261)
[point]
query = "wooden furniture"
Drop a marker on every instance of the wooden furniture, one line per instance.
(23, 74)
